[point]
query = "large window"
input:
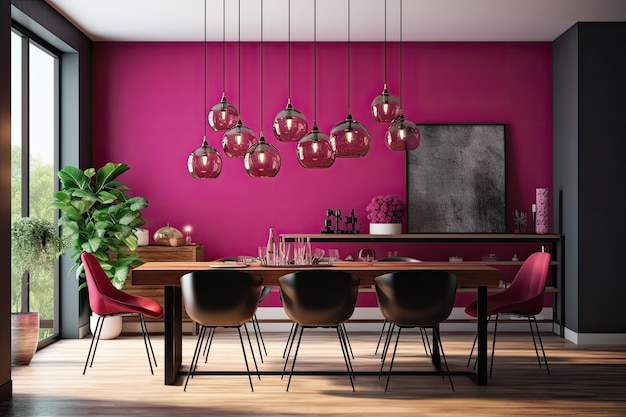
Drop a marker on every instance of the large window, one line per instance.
(34, 141)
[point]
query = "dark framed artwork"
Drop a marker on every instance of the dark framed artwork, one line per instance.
(456, 180)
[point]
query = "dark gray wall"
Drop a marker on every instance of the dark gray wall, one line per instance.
(589, 148)
(5, 201)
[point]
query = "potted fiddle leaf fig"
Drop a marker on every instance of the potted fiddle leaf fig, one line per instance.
(35, 248)
(100, 216)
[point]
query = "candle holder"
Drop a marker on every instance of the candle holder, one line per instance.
(187, 230)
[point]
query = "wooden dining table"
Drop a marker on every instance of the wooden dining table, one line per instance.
(469, 275)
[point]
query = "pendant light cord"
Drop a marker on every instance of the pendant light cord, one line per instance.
(401, 48)
(315, 62)
(385, 63)
(204, 104)
(223, 46)
(348, 56)
(289, 50)
(239, 58)
(261, 98)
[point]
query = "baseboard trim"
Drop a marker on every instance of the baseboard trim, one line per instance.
(367, 319)
(595, 338)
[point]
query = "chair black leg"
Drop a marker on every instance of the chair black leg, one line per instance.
(469, 360)
(346, 356)
(387, 341)
(473, 346)
(380, 337)
(295, 356)
(383, 355)
(289, 336)
(147, 343)
(95, 338)
(207, 344)
(393, 356)
(345, 332)
(259, 335)
(290, 340)
(202, 334)
(346, 343)
(251, 350)
(245, 358)
(493, 344)
(196, 355)
(437, 334)
(427, 349)
(545, 359)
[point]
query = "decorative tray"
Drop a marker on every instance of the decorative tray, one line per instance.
(227, 265)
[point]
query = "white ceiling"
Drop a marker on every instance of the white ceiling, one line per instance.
(423, 20)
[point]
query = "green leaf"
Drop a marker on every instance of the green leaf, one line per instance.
(108, 173)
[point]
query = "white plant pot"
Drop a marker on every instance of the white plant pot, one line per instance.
(112, 326)
(143, 237)
(385, 228)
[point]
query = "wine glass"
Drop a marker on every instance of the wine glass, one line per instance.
(333, 254)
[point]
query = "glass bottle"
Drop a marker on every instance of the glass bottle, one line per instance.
(271, 248)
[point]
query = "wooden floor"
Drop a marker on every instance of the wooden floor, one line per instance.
(585, 381)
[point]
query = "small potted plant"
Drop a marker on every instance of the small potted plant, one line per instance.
(385, 214)
(35, 248)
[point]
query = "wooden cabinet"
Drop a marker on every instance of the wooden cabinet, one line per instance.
(158, 253)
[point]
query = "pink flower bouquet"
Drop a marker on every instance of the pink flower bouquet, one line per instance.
(388, 209)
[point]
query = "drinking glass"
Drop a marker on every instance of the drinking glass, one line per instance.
(263, 255)
(333, 254)
(298, 251)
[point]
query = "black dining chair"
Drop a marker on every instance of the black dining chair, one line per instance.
(313, 299)
(386, 325)
(255, 321)
(220, 298)
(420, 298)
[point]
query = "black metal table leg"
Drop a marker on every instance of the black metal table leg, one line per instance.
(173, 333)
(482, 336)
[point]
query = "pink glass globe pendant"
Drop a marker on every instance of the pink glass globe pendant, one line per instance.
(402, 135)
(223, 115)
(204, 162)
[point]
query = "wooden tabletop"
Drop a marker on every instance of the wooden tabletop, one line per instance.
(168, 273)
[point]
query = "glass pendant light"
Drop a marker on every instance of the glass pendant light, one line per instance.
(262, 160)
(238, 139)
(223, 115)
(290, 125)
(402, 135)
(205, 161)
(351, 138)
(315, 150)
(385, 107)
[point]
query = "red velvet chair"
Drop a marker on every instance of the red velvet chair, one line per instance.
(524, 297)
(106, 300)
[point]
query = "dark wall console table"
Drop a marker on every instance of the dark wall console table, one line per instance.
(555, 241)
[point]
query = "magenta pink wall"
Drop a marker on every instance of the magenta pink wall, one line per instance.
(149, 113)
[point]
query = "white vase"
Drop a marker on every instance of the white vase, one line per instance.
(385, 228)
(111, 329)
(143, 237)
